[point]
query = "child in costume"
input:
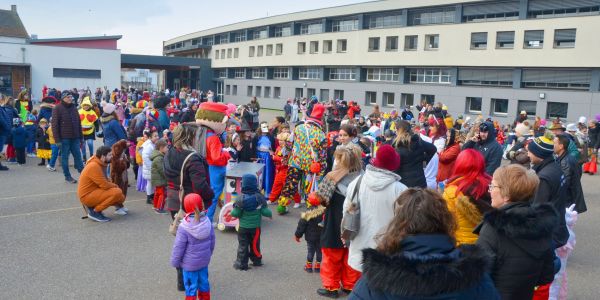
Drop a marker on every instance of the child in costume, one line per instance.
(249, 208)
(54, 150)
(31, 129)
(44, 148)
(264, 149)
(280, 159)
(19, 140)
(232, 144)
(159, 180)
(88, 118)
(308, 225)
(141, 182)
(247, 151)
(193, 247)
(119, 165)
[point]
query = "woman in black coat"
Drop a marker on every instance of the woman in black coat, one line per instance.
(414, 155)
(518, 233)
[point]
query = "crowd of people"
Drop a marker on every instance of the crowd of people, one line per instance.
(399, 205)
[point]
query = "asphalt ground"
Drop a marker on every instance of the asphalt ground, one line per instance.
(48, 252)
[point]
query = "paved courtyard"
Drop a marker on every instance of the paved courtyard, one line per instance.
(47, 251)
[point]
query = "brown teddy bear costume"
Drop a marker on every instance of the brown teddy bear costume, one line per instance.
(119, 165)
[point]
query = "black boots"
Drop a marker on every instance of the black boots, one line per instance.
(149, 199)
(180, 286)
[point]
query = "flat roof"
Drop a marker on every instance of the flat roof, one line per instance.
(77, 39)
(162, 62)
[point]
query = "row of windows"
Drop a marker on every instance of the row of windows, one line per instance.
(255, 91)
(499, 107)
(258, 50)
(342, 46)
(533, 39)
(231, 52)
(476, 12)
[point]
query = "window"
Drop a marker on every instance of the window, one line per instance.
(388, 99)
(258, 91)
(499, 107)
(281, 31)
(310, 92)
(251, 51)
(490, 77)
(429, 99)
(301, 47)
(430, 76)
(234, 92)
(534, 39)
(299, 93)
(269, 50)
(411, 42)
(473, 105)
(227, 89)
(224, 39)
(338, 94)
(407, 100)
(344, 25)
(432, 42)
(258, 73)
(259, 34)
(309, 73)
(223, 54)
(240, 73)
(495, 11)
(278, 49)
(342, 74)
(75, 73)
(505, 39)
(527, 106)
(564, 38)
(229, 53)
(236, 52)
(342, 46)
(239, 36)
(553, 8)
(370, 98)
(216, 54)
(389, 21)
(311, 28)
(374, 44)
(259, 51)
(276, 92)
(558, 79)
(478, 40)
(314, 47)
(431, 16)
(324, 94)
(249, 92)
(267, 92)
(327, 46)
(391, 43)
(281, 73)
(383, 74)
(221, 73)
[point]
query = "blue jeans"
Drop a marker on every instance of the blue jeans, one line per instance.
(70, 146)
(90, 144)
(196, 281)
(54, 155)
(2, 141)
(217, 183)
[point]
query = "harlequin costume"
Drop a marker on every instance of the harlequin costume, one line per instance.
(308, 158)
(212, 116)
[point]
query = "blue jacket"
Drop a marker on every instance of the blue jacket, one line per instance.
(7, 114)
(19, 137)
(113, 131)
(427, 267)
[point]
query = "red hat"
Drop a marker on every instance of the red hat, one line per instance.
(386, 158)
(318, 111)
(192, 201)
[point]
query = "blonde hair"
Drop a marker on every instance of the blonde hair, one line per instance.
(516, 183)
(347, 160)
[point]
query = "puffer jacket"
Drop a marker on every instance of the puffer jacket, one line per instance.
(572, 174)
(113, 131)
(65, 122)
(45, 111)
(308, 225)
(147, 149)
(378, 191)
(467, 212)
(195, 177)
(520, 236)
(158, 172)
(194, 244)
(427, 267)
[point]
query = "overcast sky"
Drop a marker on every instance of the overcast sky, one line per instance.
(145, 24)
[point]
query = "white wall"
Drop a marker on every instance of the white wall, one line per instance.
(44, 58)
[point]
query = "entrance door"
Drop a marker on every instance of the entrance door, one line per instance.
(219, 91)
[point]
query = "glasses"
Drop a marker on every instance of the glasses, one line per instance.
(491, 187)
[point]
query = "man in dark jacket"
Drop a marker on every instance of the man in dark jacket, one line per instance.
(66, 128)
(572, 173)
(485, 142)
(552, 187)
(287, 109)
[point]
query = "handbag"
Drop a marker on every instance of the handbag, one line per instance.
(351, 219)
(181, 213)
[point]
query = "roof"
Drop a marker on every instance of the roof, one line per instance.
(11, 25)
(76, 39)
(162, 62)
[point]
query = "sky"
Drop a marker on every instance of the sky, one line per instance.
(144, 25)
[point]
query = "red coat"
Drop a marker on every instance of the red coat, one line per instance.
(446, 164)
(215, 155)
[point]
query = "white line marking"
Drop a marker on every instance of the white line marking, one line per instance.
(38, 195)
(55, 210)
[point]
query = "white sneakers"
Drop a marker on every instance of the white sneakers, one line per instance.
(121, 211)
(51, 169)
(297, 205)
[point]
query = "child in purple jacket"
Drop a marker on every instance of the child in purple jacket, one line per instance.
(193, 247)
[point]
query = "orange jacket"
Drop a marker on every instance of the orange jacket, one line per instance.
(446, 164)
(93, 178)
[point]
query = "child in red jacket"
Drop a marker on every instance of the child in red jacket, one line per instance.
(280, 158)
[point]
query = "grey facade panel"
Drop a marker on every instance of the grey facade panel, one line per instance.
(560, 4)
(490, 8)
